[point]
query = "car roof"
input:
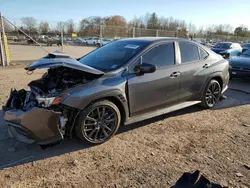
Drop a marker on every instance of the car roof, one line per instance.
(155, 39)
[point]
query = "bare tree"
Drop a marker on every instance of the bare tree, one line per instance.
(70, 26)
(223, 29)
(44, 27)
(192, 28)
(115, 21)
(30, 24)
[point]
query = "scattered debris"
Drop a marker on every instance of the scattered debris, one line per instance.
(7, 175)
(75, 163)
(152, 153)
(224, 183)
(239, 174)
(247, 166)
(246, 125)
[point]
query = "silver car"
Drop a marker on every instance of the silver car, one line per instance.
(120, 83)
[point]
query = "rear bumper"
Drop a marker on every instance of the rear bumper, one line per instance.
(36, 125)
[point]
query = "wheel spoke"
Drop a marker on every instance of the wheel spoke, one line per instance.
(98, 113)
(216, 93)
(214, 100)
(110, 120)
(86, 130)
(91, 134)
(104, 132)
(90, 119)
(97, 131)
(213, 86)
(109, 116)
(106, 127)
(209, 92)
(103, 111)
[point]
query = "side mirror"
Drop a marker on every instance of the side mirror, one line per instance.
(144, 68)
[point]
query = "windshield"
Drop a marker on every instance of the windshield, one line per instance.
(113, 55)
(223, 45)
(246, 53)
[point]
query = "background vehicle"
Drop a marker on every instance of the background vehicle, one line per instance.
(240, 66)
(103, 41)
(245, 47)
(227, 49)
(121, 83)
(92, 41)
(54, 40)
(79, 41)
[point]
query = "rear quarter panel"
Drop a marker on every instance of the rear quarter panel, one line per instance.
(219, 70)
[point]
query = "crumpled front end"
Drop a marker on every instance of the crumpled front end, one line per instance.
(31, 122)
(37, 115)
(35, 125)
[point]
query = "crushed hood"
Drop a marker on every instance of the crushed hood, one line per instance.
(58, 59)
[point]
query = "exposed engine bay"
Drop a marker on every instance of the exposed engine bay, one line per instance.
(44, 90)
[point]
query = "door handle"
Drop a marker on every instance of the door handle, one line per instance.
(206, 66)
(175, 74)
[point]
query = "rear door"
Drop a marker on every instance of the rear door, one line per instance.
(155, 90)
(194, 68)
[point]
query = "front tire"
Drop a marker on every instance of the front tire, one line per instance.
(98, 122)
(211, 94)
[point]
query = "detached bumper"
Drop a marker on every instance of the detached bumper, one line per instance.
(36, 125)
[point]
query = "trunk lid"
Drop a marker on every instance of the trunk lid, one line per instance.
(57, 59)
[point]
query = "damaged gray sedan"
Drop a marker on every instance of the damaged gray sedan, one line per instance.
(120, 83)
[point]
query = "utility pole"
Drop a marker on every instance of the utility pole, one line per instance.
(1, 42)
(62, 36)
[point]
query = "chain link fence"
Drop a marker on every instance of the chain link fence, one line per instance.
(24, 39)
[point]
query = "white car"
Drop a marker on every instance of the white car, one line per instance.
(92, 41)
(105, 41)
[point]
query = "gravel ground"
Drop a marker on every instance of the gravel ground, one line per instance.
(153, 153)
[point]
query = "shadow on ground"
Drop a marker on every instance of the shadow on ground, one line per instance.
(13, 153)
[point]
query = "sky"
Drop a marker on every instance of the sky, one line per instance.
(198, 12)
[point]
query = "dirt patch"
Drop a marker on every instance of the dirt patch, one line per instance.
(153, 153)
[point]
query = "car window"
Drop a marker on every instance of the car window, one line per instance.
(189, 52)
(203, 54)
(161, 55)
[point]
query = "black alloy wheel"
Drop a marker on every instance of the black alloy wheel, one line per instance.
(212, 94)
(99, 122)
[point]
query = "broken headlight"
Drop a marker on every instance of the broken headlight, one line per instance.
(48, 101)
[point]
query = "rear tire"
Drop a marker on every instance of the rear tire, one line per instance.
(98, 122)
(211, 94)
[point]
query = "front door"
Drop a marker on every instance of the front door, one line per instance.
(156, 90)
